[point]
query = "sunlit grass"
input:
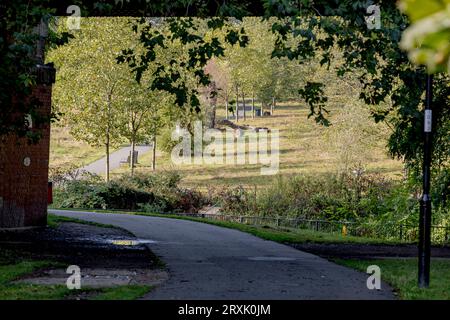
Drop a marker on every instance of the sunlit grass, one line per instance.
(303, 149)
(127, 292)
(66, 151)
(402, 275)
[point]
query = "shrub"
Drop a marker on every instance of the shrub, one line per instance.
(188, 200)
(234, 200)
(152, 193)
(80, 194)
(119, 196)
(150, 182)
(329, 197)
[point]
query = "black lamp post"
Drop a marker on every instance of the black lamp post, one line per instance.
(425, 201)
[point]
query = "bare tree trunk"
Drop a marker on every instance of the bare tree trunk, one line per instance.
(132, 160)
(108, 137)
(226, 106)
(213, 116)
(107, 158)
(243, 102)
(272, 105)
(237, 104)
(253, 105)
(262, 109)
(154, 153)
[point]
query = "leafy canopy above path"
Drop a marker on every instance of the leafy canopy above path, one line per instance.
(306, 30)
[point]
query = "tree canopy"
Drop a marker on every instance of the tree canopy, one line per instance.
(306, 30)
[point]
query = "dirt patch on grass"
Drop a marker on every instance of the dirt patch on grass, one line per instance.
(106, 256)
(99, 278)
(367, 251)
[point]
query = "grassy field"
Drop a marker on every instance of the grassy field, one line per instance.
(305, 147)
(402, 275)
(66, 151)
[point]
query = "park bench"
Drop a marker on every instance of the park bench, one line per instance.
(128, 159)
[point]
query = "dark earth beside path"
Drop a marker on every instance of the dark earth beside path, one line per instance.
(78, 244)
(367, 251)
(109, 258)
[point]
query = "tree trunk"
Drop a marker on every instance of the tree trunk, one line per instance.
(272, 105)
(213, 116)
(107, 160)
(237, 104)
(226, 107)
(154, 153)
(133, 147)
(108, 138)
(243, 103)
(253, 106)
(262, 109)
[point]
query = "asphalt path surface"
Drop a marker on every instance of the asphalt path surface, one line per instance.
(99, 166)
(210, 262)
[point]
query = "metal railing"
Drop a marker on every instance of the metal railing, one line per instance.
(401, 232)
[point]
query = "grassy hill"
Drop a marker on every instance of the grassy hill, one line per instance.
(66, 151)
(305, 147)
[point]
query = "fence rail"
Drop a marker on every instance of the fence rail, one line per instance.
(402, 232)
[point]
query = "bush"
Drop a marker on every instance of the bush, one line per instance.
(165, 142)
(152, 182)
(329, 197)
(79, 194)
(151, 193)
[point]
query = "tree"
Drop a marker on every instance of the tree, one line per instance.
(91, 88)
(385, 73)
(253, 70)
(18, 41)
(427, 39)
(142, 111)
(219, 71)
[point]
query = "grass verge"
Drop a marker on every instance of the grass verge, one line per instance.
(53, 221)
(401, 274)
(11, 270)
(285, 235)
(15, 265)
(128, 292)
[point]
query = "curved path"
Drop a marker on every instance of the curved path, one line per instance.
(99, 166)
(210, 262)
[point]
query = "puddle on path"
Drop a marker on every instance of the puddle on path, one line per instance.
(119, 241)
(129, 242)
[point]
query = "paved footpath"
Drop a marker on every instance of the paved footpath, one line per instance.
(99, 166)
(210, 262)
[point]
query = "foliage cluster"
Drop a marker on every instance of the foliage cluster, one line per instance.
(151, 193)
(376, 206)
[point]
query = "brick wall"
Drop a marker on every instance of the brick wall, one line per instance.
(24, 174)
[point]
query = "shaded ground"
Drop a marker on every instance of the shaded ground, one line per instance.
(367, 251)
(106, 256)
(210, 262)
(79, 244)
